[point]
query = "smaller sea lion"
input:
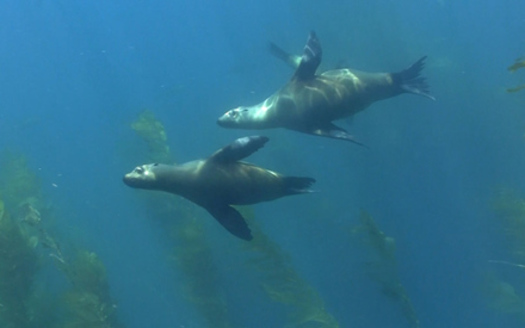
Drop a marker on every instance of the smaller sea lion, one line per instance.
(221, 180)
(310, 102)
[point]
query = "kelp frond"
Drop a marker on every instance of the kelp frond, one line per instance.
(19, 264)
(518, 64)
(382, 266)
(153, 133)
(88, 302)
(282, 283)
(510, 209)
(18, 182)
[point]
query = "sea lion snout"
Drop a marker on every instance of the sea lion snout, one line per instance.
(240, 117)
(140, 177)
(228, 118)
(129, 180)
(233, 117)
(220, 121)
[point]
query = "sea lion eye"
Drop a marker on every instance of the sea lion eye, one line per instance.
(232, 113)
(155, 164)
(139, 169)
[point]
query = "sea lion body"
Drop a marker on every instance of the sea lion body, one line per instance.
(310, 102)
(333, 95)
(205, 183)
(219, 181)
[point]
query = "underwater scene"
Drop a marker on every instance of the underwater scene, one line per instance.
(255, 164)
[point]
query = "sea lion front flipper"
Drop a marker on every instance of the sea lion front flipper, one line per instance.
(291, 60)
(232, 220)
(239, 149)
(311, 58)
(331, 130)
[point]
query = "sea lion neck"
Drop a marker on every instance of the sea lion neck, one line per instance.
(168, 177)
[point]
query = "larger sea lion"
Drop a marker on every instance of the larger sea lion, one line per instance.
(221, 180)
(310, 102)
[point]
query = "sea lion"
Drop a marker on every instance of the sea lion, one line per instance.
(309, 102)
(221, 180)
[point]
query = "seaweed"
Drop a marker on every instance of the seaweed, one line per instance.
(86, 310)
(88, 303)
(502, 297)
(518, 64)
(19, 264)
(382, 245)
(152, 132)
(17, 182)
(382, 268)
(194, 258)
(510, 210)
(282, 283)
(19, 259)
(516, 88)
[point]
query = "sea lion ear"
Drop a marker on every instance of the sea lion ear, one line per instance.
(311, 58)
(239, 149)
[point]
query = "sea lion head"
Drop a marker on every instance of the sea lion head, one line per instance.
(240, 117)
(142, 177)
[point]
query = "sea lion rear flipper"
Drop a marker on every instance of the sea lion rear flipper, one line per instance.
(232, 220)
(311, 58)
(297, 185)
(239, 149)
(409, 80)
(331, 130)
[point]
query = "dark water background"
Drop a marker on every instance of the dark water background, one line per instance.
(75, 74)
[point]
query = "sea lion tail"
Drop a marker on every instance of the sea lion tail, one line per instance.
(409, 80)
(297, 185)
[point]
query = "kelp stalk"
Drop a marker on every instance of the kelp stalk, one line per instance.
(518, 64)
(382, 268)
(88, 302)
(283, 284)
(19, 264)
